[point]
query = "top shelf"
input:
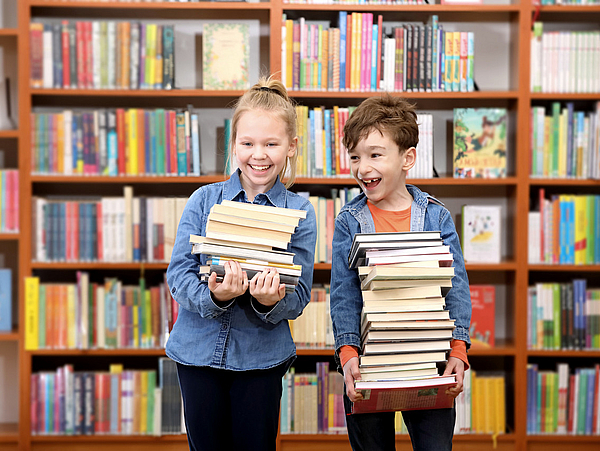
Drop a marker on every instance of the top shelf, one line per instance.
(152, 6)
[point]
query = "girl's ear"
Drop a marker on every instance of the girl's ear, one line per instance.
(293, 147)
(410, 158)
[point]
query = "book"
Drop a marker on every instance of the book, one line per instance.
(234, 251)
(291, 270)
(404, 305)
(400, 359)
(480, 142)
(378, 285)
(404, 367)
(393, 240)
(223, 231)
(374, 336)
(408, 347)
(408, 325)
(258, 211)
(246, 222)
(481, 233)
(230, 72)
(220, 270)
(5, 300)
(385, 272)
(388, 396)
(227, 210)
(198, 239)
(483, 316)
(445, 259)
(402, 293)
(395, 375)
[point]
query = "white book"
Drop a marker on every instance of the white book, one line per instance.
(47, 64)
(533, 238)
(96, 54)
(481, 233)
(121, 239)
(128, 223)
(170, 228)
(68, 142)
(111, 57)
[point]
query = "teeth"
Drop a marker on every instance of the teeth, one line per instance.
(259, 168)
(370, 181)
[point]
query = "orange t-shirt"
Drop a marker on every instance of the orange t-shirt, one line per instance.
(398, 221)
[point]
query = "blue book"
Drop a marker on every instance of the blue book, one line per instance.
(342, 23)
(5, 300)
(62, 231)
(589, 405)
(111, 144)
(374, 58)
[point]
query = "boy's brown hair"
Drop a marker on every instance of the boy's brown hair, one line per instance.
(392, 115)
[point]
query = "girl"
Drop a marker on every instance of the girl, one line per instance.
(232, 341)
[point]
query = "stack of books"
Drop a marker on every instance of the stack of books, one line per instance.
(405, 330)
(249, 234)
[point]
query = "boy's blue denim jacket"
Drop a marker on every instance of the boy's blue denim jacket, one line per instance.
(239, 336)
(427, 214)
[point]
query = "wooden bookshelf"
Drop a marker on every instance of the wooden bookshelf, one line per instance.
(510, 353)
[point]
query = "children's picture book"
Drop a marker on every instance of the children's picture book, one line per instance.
(481, 230)
(417, 394)
(480, 142)
(483, 316)
(225, 56)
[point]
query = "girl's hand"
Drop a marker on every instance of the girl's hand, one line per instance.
(352, 373)
(265, 287)
(457, 367)
(235, 282)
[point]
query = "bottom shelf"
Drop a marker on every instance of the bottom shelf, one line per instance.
(9, 436)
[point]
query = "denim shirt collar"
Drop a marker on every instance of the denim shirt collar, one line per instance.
(233, 190)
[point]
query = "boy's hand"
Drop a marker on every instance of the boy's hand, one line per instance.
(265, 287)
(457, 367)
(235, 282)
(352, 373)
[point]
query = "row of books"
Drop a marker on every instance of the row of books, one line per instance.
(481, 406)
(313, 403)
(565, 230)
(564, 61)
(565, 143)
(105, 229)
(563, 316)
(116, 142)
(100, 54)
(9, 200)
(563, 401)
(115, 402)
(97, 315)
(313, 329)
(364, 55)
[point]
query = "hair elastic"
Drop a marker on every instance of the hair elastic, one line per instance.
(266, 88)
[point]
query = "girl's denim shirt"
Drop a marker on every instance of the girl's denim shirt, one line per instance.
(427, 214)
(239, 336)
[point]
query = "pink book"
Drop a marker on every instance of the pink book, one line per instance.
(363, 51)
(369, 51)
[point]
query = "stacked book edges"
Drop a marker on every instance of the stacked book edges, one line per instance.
(249, 234)
(405, 329)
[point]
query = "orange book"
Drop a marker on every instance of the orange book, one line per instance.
(36, 61)
(121, 162)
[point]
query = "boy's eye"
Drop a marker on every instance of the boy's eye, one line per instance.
(353, 158)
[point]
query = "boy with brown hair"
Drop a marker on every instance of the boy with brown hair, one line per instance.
(381, 136)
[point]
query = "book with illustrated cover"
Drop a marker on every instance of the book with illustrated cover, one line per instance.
(480, 142)
(483, 316)
(225, 56)
(481, 230)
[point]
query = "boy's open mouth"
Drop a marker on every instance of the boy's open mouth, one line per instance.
(371, 183)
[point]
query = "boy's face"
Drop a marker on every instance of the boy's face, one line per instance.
(380, 169)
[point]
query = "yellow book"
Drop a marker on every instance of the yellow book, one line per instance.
(60, 144)
(547, 150)
(562, 144)
(355, 59)
(289, 53)
(143, 412)
(499, 405)
(581, 226)
(305, 158)
(150, 55)
(71, 320)
(448, 75)
(32, 294)
(132, 141)
(456, 61)
(158, 59)
(148, 318)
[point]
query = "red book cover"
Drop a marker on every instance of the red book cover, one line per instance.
(121, 141)
(542, 195)
(571, 406)
(405, 395)
(173, 139)
(89, 54)
(80, 46)
(66, 54)
(483, 316)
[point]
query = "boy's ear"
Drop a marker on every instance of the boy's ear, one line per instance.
(410, 158)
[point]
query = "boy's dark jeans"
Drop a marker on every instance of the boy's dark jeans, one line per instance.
(430, 430)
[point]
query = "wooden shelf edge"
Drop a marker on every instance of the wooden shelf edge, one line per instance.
(592, 353)
(97, 352)
(12, 335)
(9, 433)
(11, 32)
(107, 438)
(14, 236)
(565, 268)
(9, 133)
(563, 438)
(563, 182)
(99, 265)
(135, 92)
(151, 6)
(475, 9)
(565, 96)
(333, 437)
(483, 95)
(568, 8)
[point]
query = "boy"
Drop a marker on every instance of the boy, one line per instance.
(380, 137)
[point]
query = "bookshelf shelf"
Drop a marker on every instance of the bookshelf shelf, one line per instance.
(188, 93)
(10, 32)
(9, 134)
(564, 439)
(9, 236)
(9, 336)
(477, 95)
(98, 265)
(154, 6)
(564, 182)
(315, 352)
(562, 354)
(473, 9)
(141, 439)
(565, 268)
(564, 96)
(99, 352)
(9, 433)
(571, 9)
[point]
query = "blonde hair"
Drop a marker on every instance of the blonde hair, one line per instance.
(269, 95)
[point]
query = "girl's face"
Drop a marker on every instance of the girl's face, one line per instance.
(261, 147)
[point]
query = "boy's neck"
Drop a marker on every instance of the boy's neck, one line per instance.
(400, 200)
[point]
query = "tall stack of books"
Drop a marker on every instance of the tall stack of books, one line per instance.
(405, 330)
(249, 234)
